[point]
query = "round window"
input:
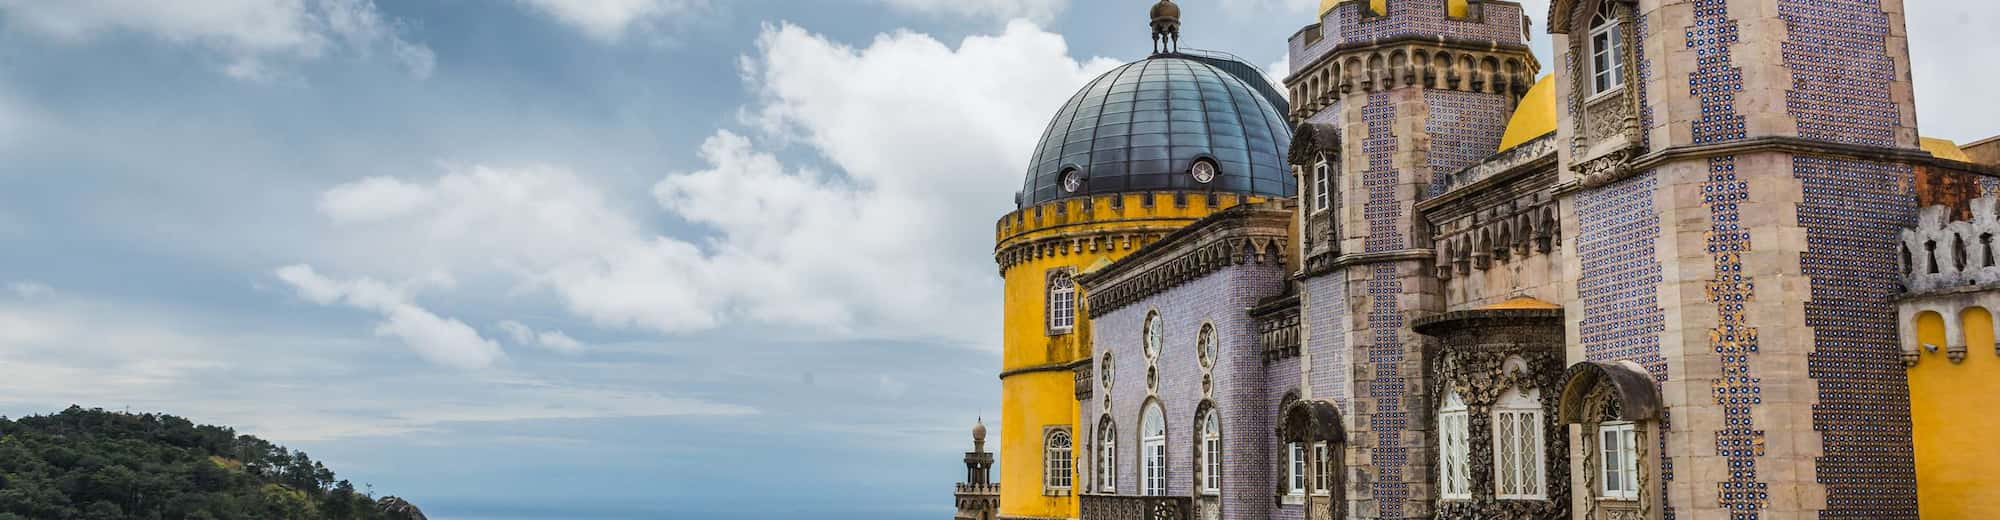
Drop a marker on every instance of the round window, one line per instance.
(1105, 368)
(1206, 342)
(1072, 180)
(1152, 334)
(1203, 171)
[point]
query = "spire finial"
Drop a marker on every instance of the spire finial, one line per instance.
(1166, 27)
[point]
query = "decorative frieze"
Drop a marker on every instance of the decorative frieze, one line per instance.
(1252, 234)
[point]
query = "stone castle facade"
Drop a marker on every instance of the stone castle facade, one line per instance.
(1682, 275)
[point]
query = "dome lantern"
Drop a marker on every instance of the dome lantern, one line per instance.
(1166, 27)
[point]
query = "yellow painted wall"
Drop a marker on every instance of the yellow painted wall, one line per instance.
(1951, 411)
(1031, 401)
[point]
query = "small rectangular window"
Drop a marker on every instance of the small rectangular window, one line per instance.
(1607, 57)
(1620, 472)
(1517, 450)
(1322, 187)
(1455, 465)
(1323, 466)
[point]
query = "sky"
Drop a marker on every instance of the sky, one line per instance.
(575, 258)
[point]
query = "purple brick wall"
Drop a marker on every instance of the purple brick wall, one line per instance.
(1465, 128)
(1326, 318)
(1238, 392)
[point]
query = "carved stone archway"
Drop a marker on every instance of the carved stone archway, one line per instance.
(1596, 396)
(1312, 421)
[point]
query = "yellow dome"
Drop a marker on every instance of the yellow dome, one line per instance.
(1327, 5)
(1535, 117)
(1943, 149)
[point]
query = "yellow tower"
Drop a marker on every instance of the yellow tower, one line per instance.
(1139, 152)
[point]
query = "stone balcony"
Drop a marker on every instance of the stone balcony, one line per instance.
(1126, 507)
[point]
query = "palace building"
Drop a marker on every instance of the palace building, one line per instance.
(1681, 273)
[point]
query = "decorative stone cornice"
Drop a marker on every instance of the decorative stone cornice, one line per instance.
(1775, 144)
(1251, 234)
(1327, 264)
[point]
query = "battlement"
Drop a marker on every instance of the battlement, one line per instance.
(1944, 255)
(1357, 22)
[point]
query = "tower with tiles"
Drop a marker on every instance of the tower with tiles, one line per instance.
(1739, 171)
(1402, 93)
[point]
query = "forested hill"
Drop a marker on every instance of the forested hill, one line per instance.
(99, 465)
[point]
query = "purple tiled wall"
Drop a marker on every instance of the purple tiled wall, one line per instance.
(1239, 383)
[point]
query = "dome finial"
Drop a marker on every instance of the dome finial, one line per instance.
(1166, 27)
(979, 430)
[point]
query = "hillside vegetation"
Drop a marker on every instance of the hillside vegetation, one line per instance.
(98, 465)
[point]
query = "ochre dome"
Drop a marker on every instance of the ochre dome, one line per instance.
(1943, 149)
(1534, 117)
(1143, 125)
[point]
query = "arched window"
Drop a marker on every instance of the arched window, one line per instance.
(1056, 464)
(1517, 446)
(1107, 457)
(1607, 49)
(1153, 450)
(1211, 453)
(1062, 302)
(1454, 429)
(1153, 334)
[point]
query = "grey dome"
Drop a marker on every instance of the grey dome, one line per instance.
(1142, 125)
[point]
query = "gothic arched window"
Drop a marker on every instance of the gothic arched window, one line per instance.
(1107, 457)
(1607, 49)
(1056, 463)
(1062, 302)
(1153, 450)
(1211, 453)
(1517, 446)
(1454, 455)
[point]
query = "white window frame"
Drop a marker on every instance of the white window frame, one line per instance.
(1058, 467)
(1454, 453)
(1519, 471)
(1107, 457)
(1062, 302)
(1618, 458)
(1152, 451)
(1322, 174)
(1211, 453)
(1322, 465)
(1608, 76)
(1295, 472)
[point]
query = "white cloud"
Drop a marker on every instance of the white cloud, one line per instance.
(609, 20)
(440, 340)
(553, 340)
(890, 245)
(249, 34)
(1037, 10)
(30, 290)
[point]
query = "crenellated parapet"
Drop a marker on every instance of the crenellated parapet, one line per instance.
(1101, 225)
(1941, 254)
(1463, 45)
